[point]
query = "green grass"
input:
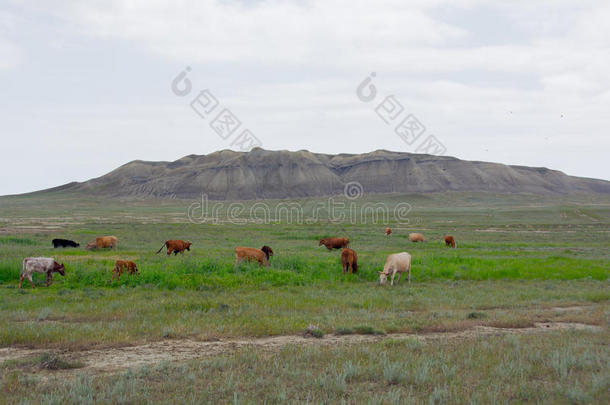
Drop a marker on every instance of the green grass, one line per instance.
(11, 240)
(80, 318)
(518, 258)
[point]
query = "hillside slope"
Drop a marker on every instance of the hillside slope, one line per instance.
(263, 174)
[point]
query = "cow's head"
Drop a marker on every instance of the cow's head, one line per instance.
(91, 245)
(77, 245)
(188, 246)
(321, 242)
(59, 268)
(268, 251)
(383, 277)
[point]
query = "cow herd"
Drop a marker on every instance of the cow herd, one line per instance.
(396, 263)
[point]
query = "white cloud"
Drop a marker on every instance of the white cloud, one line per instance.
(10, 55)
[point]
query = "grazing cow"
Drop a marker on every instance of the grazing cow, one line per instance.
(450, 241)
(103, 242)
(64, 243)
(388, 231)
(396, 263)
(176, 246)
(121, 265)
(417, 237)
(334, 243)
(349, 259)
(260, 255)
(44, 265)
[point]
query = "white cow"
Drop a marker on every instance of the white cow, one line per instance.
(44, 265)
(396, 263)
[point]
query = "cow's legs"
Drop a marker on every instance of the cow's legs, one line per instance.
(49, 279)
(21, 280)
(399, 276)
(409, 275)
(31, 282)
(393, 274)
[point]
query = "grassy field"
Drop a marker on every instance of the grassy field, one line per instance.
(520, 260)
(563, 368)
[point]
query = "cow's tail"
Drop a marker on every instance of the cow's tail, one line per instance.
(355, 265)
(23, 266)
(162, 246)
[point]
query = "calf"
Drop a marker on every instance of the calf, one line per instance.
(450, 241)
(44, 265)
(64, 243)
(252, 254)
(396, 263)
(388, 231)
(121, 265)
(176, 246)
(349, 259)
(334, 243)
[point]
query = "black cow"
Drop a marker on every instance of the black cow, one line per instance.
(64, 243)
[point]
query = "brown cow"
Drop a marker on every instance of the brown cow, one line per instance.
(417, 237)
(450, 241)
(349, 259)
(260, 255)
(176, 246)
(44, 265)
(121, 265)
(388, 231)
(103, 242)
(334, 243)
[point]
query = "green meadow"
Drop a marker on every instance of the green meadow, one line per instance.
(519, 258)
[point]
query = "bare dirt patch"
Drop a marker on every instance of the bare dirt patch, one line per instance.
(575, 308)
(117, 359)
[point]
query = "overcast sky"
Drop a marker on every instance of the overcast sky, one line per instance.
(86, 86)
